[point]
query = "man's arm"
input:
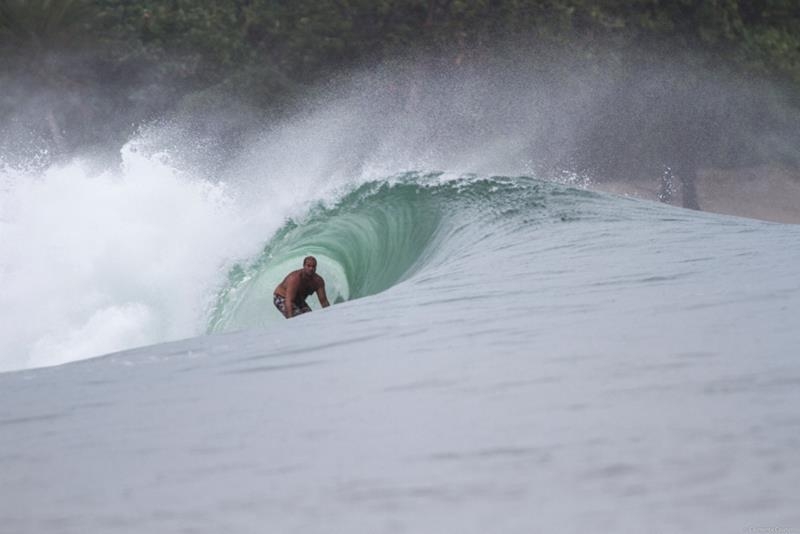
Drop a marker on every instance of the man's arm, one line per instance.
(292, 281)
(323, 298)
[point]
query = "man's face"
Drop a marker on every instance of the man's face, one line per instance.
(309, 268)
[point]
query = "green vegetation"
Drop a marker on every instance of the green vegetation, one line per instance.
(205, 42)
(180, 55)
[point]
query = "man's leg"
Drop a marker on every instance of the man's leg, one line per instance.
(280, 303)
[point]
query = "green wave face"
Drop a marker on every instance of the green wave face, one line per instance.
(382, 233)
(367, 242)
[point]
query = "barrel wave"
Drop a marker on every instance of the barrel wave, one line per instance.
(379, 234)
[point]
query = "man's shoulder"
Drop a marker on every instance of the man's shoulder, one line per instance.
(293, 276)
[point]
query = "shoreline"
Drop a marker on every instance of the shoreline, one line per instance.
(767, 193)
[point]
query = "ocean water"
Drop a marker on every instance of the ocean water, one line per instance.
(504, 354)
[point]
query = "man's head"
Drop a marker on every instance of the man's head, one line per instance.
(309, 265)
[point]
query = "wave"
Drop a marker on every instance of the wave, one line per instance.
(385, 231)
(94, 262)
(106, 261)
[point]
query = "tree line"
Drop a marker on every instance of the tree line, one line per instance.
(114, 63)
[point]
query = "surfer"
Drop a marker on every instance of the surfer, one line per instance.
(297, 286)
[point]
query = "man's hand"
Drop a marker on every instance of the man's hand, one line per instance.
(323, 298)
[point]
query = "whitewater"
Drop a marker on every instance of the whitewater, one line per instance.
(504, 352)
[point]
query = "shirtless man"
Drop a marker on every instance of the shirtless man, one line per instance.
(297, 286)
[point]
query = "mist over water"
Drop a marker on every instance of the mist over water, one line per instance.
(100, 254)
